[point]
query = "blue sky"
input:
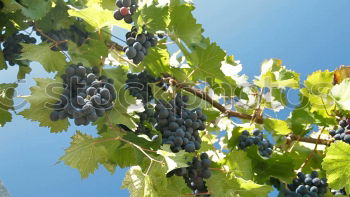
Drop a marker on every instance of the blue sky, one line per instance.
(306, 35)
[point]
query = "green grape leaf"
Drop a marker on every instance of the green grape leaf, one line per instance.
(300, 153)
(84, 154)
(10, 6)
(301, 117)
(341, 94)
(239, 163)
(317, 88)
(89, 53)
(249, 188)
(154, 17)
(52, 61)
(42, 95)
(154, 183)
(157, 61)
(183, 25)
(278, 127)
(134, 181)
(23, 70)
(119, 113)
(206, 62)
(227, 185)
(337, 165)
(120, 153)
(35, 9)
(57, 18)
(97, 17)
(174, 160)
(278, 165)
(273, 74)
(222, 184)
(6, 102)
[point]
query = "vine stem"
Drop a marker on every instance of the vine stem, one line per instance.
(258, 119)
(56, 43)
(203, 95)
(293, 137)
(309, 157)
(114, 45)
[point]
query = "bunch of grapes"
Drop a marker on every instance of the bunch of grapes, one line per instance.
(74, 33)
(86, 95)
(12, 47)
(138, 44)
(195, 174)
(1, 5)
(146, 116)
(246, 140)
(341, 192)
(342, 133)
(307, 185)
(179, 126)
(138, 85)
(125, 10)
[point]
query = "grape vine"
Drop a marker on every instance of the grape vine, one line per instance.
(198, 139)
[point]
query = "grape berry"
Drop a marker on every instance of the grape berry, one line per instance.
(12, 47)
(343, 132)
(138, 44)
(125, 10)
(195, 174)
(307, 185)
(245, 140)
(86, 96)
(179, 126)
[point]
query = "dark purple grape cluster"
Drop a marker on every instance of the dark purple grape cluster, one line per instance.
(74, 33)
(341, 192)
(179, 126)
(125, 10)
(246, 140)
(195, 174)
(343, 132)
(86, 96)
(12, 46)
(138, 44)
(138, 85)
(146, 116)
(307, 185)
